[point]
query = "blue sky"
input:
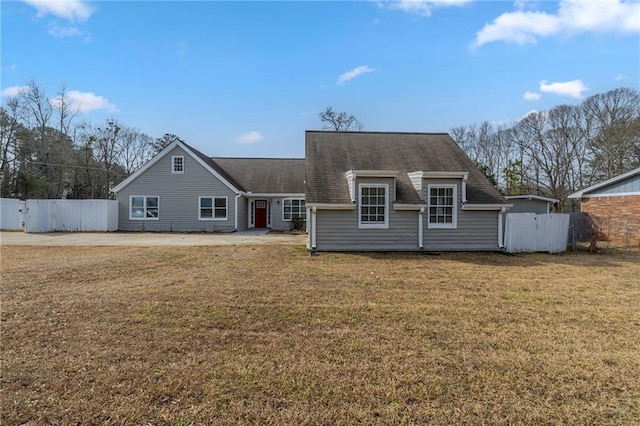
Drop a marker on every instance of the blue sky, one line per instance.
(248, 78)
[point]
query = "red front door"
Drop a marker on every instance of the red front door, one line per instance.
(261, 213)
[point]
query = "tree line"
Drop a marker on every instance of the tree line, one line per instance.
(47, 151)
(556, 152)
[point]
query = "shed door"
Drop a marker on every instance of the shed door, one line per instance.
(261, 213)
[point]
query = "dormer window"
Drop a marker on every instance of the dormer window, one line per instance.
(373, 209)
(442, 206)
(177, 164)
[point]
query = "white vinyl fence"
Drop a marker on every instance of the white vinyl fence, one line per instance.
(71, 215)
(528, 232)
(11, 214)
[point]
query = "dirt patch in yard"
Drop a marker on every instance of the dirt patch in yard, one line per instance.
(269, 334)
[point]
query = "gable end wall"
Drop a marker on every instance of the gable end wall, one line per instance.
(178, 198)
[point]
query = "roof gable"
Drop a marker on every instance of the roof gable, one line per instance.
(199, 157)
(330, 154)
(599, 187)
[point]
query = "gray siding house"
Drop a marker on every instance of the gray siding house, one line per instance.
(375, 191)
(531, 204)
(183, 190)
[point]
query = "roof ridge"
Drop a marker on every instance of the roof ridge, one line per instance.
(376, 132)
(257, 158)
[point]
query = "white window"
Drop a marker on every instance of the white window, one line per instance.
(293, 208)
(442, 206)
(177, 164)
(373, 211)
(212, 208)
(144, 207)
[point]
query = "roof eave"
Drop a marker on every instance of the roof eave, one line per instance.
(581, 193)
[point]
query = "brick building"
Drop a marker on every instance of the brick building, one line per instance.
(614, 207)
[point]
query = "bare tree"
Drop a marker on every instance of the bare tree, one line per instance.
(614, 116)
(135, 149)
(339, 121)
(162, 142)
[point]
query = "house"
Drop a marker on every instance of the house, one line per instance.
(376, 191)
(531, 204)
(614, 207)
(183, 190)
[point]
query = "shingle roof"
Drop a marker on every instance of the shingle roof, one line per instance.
(330, 154)
(264, 175)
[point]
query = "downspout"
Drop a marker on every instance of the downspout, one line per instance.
(420, 231)
(500, 233)
(313, 228)
(238, 195)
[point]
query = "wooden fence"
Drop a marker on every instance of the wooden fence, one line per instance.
(71, 215)
(529, 232)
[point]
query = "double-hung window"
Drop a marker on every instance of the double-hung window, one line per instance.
(442, 206)
(144, 207)
(293, 208)
(177, 164)
(212, 208)
(373, 211)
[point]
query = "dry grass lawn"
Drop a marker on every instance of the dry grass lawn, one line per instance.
(271, 335)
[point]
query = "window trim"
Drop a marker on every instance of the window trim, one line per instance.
(173, 165)
(304, 207)
(213, 208)
(454, 207)
(385, 224)
(144, 206)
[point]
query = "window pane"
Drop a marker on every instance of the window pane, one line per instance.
(152, 202)
(441, 202)
(152, 212)
(137, 201)
(206, 213)
(137, 212)
(221, 213)
(206, 202)
(221, 203)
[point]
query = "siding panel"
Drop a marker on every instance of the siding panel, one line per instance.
(338, 230)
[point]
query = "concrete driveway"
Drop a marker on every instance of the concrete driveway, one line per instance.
(250, 237)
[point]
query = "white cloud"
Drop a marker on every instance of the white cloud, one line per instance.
(620, 77)
(572, 17)
(13, 91)
(350, 75)
(60, 31)
(531, 96)
(71, 10)
(249, 138)
(422, 7)
(572, 88)
(84, 101)
(526, 114)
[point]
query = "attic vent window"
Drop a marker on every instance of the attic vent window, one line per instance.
(177, 164)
